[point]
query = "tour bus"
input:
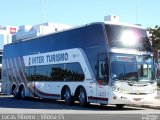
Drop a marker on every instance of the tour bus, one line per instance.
(103, 62)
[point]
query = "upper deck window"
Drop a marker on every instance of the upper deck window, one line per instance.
(128, 37)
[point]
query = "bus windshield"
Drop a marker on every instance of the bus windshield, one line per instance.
(132, 68)
(145, 68)
(128, 37)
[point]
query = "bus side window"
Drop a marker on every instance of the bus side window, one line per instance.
(31, 73)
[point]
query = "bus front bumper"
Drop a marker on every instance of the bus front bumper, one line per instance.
(120, 98)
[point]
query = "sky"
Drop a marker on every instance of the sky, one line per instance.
(78, 12)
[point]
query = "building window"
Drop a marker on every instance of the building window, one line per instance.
(1, 41)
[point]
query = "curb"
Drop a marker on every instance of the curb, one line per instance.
(146, 106)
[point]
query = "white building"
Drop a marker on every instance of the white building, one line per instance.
(5, 38)
(6, 35)
(28, 31)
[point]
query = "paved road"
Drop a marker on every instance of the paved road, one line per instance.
(9, 105)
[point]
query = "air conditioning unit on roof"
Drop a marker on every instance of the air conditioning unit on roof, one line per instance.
(112, 18)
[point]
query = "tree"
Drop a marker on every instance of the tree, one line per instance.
(155, 36)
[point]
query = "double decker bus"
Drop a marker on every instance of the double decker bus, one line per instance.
(105, 63)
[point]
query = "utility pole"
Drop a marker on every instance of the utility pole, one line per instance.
(42, 15)
(136, 11)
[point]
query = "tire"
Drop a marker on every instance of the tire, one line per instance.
(68, 97)
(15, 93)
(22, 93)
(120, 106)
(83, 98)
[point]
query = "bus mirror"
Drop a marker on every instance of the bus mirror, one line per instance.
(102, 69)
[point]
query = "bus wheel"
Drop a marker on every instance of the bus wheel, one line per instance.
(14, 92)
(68, 97)
(22, 93)
(83, 97)
(120, 106)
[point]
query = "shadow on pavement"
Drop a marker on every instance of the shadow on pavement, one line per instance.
(34, 103)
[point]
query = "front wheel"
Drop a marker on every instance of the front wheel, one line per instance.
(120, 106)
(83, 98)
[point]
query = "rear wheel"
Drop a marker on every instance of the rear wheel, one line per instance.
(83, 97)
(68, 97)
(22, 93)
(15, 93)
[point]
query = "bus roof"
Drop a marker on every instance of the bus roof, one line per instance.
(106, 22)
(124, 24)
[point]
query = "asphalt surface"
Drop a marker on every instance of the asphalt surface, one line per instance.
(41, 108)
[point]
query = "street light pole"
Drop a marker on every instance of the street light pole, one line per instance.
(136, 11)
(42, 15)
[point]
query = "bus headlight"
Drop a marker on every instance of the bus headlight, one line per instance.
(153, 90)
(120, 90)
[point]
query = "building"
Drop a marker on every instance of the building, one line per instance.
(28, 31)
(5, 38)
(6, 35)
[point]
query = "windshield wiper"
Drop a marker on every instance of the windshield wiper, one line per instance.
(118, 79)
(121, 79)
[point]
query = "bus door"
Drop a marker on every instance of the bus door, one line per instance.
(102, 78)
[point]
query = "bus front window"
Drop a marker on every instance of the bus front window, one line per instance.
(124, 70)
(132, 68)
(145, 68)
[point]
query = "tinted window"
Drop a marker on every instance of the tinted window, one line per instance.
(95, 36)
(95, 44)
(42, 73)
(128, 37)
(76, 38)
(73, 72)
(59, 72)
(31, 73)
